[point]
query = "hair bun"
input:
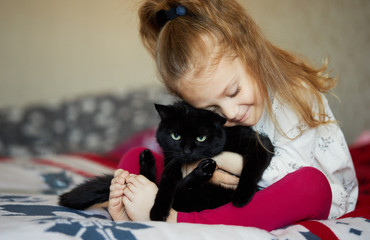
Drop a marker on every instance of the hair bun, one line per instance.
(163, 16)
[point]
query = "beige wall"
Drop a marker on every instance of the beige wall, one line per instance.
(52, 49)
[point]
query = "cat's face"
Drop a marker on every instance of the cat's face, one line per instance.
(187, 134)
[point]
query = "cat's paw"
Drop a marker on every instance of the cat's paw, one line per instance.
(146, 158)
(147, 165)
(242, 198)
(206, 168)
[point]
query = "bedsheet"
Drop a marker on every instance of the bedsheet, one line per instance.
(29, 189)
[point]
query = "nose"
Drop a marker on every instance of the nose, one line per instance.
(187, 150)
(187, 147)
(229, 111)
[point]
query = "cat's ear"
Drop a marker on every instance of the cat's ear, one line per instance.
(162, 110)
(219, 118)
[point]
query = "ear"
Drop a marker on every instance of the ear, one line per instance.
(162, 110)
(219, 118)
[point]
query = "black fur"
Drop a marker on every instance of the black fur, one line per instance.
(93, 191)
(188, 135)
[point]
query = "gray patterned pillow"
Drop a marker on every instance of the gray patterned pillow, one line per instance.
(93, 124)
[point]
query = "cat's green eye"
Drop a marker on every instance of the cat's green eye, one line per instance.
(175, 136)
(201, 138)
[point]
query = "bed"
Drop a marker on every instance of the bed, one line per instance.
(48, 149)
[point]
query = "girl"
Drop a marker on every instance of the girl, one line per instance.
(212, 55)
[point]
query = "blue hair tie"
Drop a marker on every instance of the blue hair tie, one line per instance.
(180, 10)
(163, 16)
(174, 12)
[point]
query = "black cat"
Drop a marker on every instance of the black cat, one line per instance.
(187, 135)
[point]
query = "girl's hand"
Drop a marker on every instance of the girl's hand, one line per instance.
(229, 167)
(225, 179)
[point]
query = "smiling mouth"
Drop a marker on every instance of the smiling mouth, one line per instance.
(243, 117)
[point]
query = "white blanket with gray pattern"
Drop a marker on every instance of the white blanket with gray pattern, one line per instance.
(29, 191)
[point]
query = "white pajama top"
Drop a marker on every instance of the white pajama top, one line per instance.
(323, 147)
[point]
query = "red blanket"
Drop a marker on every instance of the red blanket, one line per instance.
(361, 160)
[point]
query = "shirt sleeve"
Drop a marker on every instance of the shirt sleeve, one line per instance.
(333, 157)
(323, 147)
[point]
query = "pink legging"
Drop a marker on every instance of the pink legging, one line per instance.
(302, 195)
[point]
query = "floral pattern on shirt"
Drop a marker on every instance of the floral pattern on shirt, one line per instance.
(323, 147)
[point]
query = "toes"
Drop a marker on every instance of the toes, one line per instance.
(137, 180)
(141, 179)
(129, 193)
(127, 202)
(118, 172)
(120, 177)
(116, 186)
(116, 193)
(114, 202)
(121, 173)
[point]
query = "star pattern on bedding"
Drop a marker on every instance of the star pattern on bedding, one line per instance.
(57, 182)
(40, 215)
(20, 199)
(73, 223)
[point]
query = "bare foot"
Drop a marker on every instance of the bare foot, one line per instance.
(116, 207)
(139, 196)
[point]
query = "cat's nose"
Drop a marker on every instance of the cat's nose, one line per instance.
(187, 150)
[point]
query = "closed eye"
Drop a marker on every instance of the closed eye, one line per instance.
(237, 91)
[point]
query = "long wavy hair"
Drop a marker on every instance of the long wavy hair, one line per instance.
(179, 49)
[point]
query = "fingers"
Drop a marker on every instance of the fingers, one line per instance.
(230, 162)
(225, 179)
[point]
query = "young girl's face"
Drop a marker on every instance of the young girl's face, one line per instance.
(229, 90)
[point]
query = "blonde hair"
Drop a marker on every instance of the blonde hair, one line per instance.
(178, 48)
